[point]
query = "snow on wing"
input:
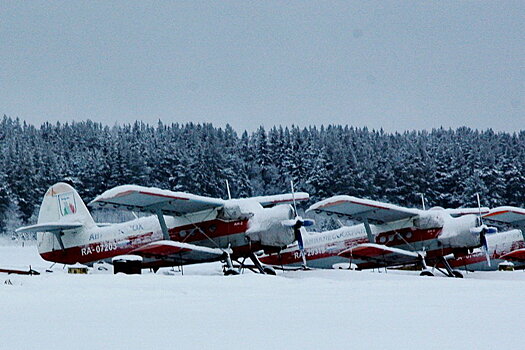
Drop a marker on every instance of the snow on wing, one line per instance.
(381, 254)
(359, 209)
(179, 252)
(286, 198)
(467, 211)
(150, 199)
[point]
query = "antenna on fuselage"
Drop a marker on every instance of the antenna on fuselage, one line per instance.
(228, 189)
(423, 200)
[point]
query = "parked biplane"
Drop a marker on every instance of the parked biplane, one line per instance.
(501, 244)
(184, 228)
(389, 235)
(514, 218)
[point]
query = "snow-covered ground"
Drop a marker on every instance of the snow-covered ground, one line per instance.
(330, 309)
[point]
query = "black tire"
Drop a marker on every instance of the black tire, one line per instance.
(426, 273)
(269, 271)
(230, 273)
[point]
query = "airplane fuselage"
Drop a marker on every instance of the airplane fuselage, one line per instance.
(322, 249)
(92, 243)
(499, 244)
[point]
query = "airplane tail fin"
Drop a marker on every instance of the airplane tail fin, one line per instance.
(63, 204)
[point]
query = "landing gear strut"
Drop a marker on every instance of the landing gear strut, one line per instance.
(229, 271)
(425, 270)
(449, 272)
(265, 270)
(257, 267)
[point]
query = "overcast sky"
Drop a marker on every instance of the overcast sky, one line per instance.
(395, 65)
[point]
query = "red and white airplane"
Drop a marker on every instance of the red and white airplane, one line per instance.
(506, 246)
(389, 235)
(501, 244)
(185, 228)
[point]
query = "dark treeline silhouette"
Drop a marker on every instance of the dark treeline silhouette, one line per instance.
(447, 166)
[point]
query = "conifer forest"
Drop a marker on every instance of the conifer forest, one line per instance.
(447, 166)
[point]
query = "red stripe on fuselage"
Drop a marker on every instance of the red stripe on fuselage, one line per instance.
(106, 249)
(391, 239)
(214, 228)
(97, 250)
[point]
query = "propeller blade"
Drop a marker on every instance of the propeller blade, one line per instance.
(297, 223)
(299, 238)
(484, 244)
(293, 198)
(480, 217)
(308, 222)
(482, 233)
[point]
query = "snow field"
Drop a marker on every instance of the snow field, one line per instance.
(320, 309)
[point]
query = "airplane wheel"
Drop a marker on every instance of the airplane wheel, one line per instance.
(269, 271)
(426, 273)
(230, 273)
(457, 274)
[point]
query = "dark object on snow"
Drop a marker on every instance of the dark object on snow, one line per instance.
(77, 269)
(127, 266)
(20, 272)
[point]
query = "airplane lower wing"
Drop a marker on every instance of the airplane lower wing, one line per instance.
(179, 252)
(381, 254)
(515, 255)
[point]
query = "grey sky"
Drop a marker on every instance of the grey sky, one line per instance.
(396, 65)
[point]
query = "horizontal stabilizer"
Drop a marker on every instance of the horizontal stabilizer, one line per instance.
(382, 254)
(50, 227)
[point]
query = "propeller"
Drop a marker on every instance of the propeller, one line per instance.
(297, 223)
(484, 229)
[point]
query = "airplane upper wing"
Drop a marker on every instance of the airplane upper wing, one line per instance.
(466, 211)
(359, 209)
(268, 201)
(50, 227)
(179, 252)
(381, 254)
(507, 215)
(149, 199)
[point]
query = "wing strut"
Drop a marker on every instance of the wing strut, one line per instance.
(58, 235)
(368, 230)
(165, 233)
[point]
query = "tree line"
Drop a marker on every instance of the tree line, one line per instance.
(448, 166)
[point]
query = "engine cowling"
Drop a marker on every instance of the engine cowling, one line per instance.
(266, 226)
